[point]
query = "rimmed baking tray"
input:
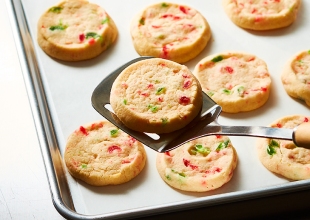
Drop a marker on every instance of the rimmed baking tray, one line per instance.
(59, 94)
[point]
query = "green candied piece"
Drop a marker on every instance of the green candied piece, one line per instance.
(92, 35)
(84, 166)
(55, 9)
(222, 145)
(164, 5)
(271, 148)
(227, 91)
(180, 174)
(217, 59)
(200, 149)
(153, 108)
(58, 27)
(308, 51)
(160, 90)
(142, 21)
(125, 101)
(106, 20)
(168, 177)
(114, 132)
(164, 121)
(210, 93)
(241, 91)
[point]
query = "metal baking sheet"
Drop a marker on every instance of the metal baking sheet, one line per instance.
(59, 93)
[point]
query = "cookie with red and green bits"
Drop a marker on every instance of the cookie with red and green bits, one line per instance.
(75, 30)
(296, 76)
(170, 31)
(284, 157)
(200, 165)
(156, 96)
(238, 82)
(262, 14)
(101, 154)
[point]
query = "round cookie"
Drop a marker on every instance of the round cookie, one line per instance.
(262, 14)
(75, 30)
(101, 154)
(170, 31)
(238, 82)
(284, 157)
(200, 165)
(296, 76)
(156, 96)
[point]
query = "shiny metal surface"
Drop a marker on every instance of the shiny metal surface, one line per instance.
(253, 131)
(46, 134)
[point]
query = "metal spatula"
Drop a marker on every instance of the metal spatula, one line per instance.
(203, 125)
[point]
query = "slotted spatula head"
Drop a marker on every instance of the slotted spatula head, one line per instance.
(159, 142)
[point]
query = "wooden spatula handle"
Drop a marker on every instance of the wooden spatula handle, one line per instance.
(301, 135)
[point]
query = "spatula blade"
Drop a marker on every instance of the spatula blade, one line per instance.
(159, 142)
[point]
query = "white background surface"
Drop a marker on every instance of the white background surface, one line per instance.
(24, 191)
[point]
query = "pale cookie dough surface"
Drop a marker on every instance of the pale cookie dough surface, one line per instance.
(296, 76)
(284, 157)
(170, 31)
(75, 30)
(262, 14)
(101, 154)
(201, 165)
(238, 82)
(156, 95)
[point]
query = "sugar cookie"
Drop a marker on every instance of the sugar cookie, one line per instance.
(101, 154)
(284, 157)
(296, 76)
(75, 30)
(200, 165)
(262, 14)
(156, 96)
(170, 31)
(238, 82)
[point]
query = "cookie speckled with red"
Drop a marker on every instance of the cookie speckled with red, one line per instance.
(156, 96)
(296, 76)
(201, 165)
(284, 157)
(237, 81)
(262, 14)
(75, 30)
(170, 31)
(101, 154)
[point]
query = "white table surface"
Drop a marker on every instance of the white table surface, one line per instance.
(24, 190)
